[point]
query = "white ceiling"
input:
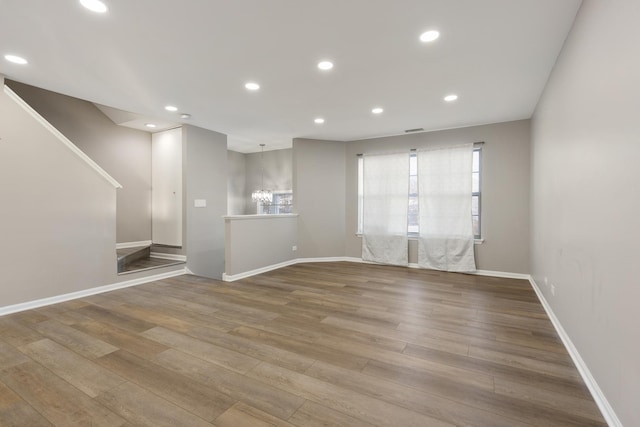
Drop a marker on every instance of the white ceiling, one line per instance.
(198, 54)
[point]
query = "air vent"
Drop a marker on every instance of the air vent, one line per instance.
(414, 130)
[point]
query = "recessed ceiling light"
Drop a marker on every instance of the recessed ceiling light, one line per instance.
(377, 110)
(325, 65)
(185, 116)
(94, 5)
(451, 98)
(171, 108)
(319, 120)
(429, 36)
(252, 86)
(15, 59)
(150, 125)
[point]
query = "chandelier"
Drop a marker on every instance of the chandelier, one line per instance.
(263, 196)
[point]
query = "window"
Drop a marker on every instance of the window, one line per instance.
(413, 216)
(413, 226)
(360, 193)
(282, 203)
(475, 193)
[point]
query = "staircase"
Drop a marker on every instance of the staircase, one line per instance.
(132, 260)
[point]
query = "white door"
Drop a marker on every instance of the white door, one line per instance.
(166, 187)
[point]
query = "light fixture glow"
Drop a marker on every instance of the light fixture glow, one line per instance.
(325, 65)
(252, 86)
(319, 120)
(94, 5)
(262, 196)
(16, 59)
(377, 110)
(150, 125)
(451, 98)
(429, 36)
(171, 108)
(185, 116)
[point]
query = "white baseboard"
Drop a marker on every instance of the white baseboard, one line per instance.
(127, 245)
(503, 274)
(488, 273)
(603, 404)
(173, 257)
(233, 277)
(599, 397)
(88, 292)
(328, 259)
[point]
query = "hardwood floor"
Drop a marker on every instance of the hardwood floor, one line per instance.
(327, 344)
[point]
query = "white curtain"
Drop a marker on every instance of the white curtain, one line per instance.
(385, 200)
(444, 188)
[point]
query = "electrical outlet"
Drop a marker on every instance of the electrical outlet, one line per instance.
(294, 248)
(546, 281)
(553, 290)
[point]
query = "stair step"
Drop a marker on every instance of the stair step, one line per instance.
(128, 256)
(150, 263)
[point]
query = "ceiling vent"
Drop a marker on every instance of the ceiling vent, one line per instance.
(414, 130)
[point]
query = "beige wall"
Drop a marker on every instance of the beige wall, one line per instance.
(57, 217)
(585, 201)
(505, 189)
(123, 153)
(319, 197)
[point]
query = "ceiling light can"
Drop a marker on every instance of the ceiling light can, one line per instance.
(16, 59)
(429, 36)
(252, 86)
(451, 98)
(318, 120)
(325, 65)
(94, 5)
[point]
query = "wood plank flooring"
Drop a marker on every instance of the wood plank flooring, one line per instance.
(326, 344)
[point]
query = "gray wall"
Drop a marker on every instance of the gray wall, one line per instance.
(57, 219)
(254, 242)
(245, 177)
(585, 199)
(205, 177)
(505, 189)
(319, 176)
(236, 183)
(278, 174)
(123, 153)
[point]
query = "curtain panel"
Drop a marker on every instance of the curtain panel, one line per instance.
(446, 234)
(384, 226)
